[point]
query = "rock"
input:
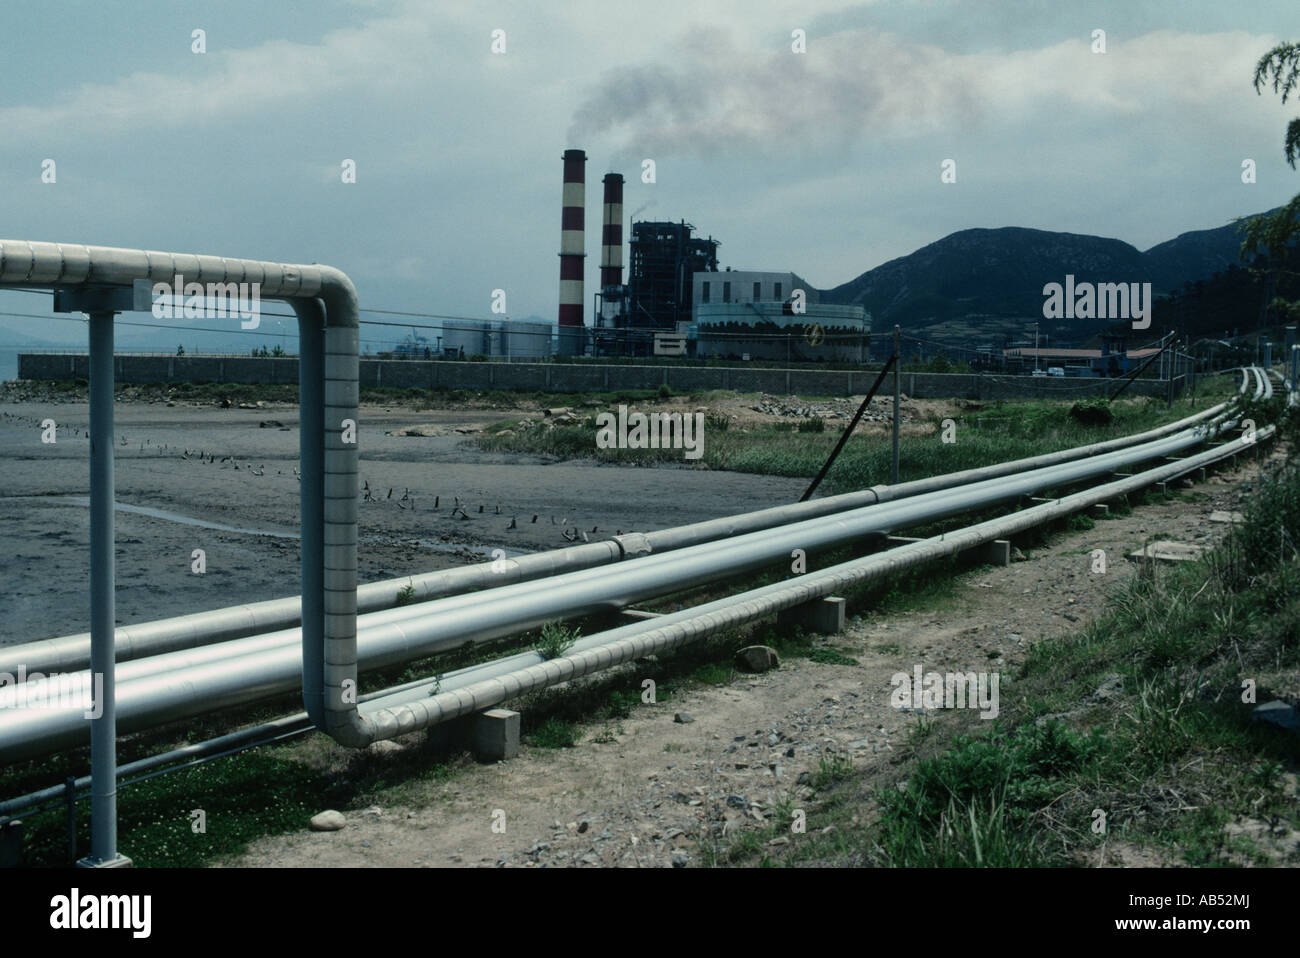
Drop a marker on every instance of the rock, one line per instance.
(789, 753)
(1111, 685)
(385, 747)
(682, 718)
(1277, 713)
(805, 778)
(681, 859)
(328, 821)
(737, 801)
(757, 658)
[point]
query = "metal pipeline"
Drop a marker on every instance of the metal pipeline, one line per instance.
(481, 688)
(96, 280)
(167, 687)
(72, 653)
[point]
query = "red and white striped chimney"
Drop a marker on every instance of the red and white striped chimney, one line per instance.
(611, 237)
(572, 239)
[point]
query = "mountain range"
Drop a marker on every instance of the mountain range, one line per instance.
(979, 285)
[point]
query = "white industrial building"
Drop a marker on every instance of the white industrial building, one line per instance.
(756, 314)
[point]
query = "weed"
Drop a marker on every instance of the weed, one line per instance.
(555, 733)
(831, 768)
(556, 639)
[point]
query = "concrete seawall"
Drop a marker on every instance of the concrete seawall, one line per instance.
(582, 377)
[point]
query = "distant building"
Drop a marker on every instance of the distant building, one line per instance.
(1112, 359)
(662, 258)
(760, 314)
(463, 338)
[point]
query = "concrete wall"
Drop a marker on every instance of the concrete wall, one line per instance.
(560, 377)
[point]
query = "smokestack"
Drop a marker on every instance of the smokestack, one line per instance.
(611, 237)
(572, 237)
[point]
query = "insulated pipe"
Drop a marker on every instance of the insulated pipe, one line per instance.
(266, 733)
(478, 681)
(54, 265)
(712, 530)
(311, 492)
(415, 708)
(72, 653)
(167, 687)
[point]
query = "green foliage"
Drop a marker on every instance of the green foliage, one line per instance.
(812, 425)
(556, 639)
(556, 733)
(406, 594)
(1080, 523)
(713, 673)
(831, 768)
(1280, 68)
(1092, 412)
(1271, 234)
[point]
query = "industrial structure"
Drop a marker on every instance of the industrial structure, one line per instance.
(676, 303)
(664, 258)
(1114, 358)
(465, 338)
(572, 253)
(751, 314)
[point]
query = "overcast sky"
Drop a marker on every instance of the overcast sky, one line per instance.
(826, 162)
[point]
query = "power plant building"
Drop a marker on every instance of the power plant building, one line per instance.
(676, 302)
(752, 314)
(663, 257)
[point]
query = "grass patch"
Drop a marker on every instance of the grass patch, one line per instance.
(1137, 722)
(998, 432)
(556, 639)
(555, 733)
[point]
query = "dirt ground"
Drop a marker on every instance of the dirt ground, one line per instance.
(651, 790)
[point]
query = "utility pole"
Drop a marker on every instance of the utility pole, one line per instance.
(1169, 367)
(1035, 347)
(898, 391)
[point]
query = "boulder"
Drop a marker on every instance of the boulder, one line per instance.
(757, 658)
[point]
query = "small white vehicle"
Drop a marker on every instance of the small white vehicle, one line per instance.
(1039, 372)
(1055, 371)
